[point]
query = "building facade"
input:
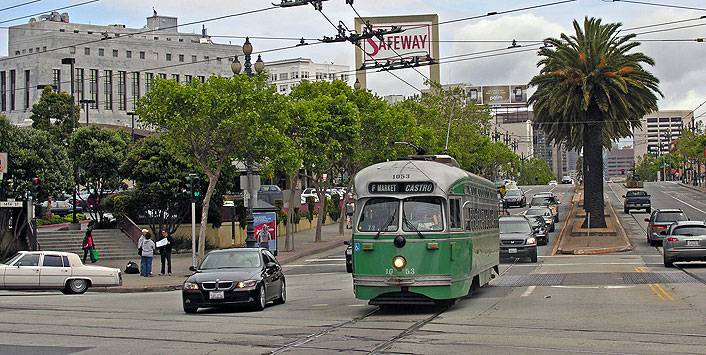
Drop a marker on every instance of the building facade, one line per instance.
(114, 65)
(619, 161)
(288, 73)
(659, 130)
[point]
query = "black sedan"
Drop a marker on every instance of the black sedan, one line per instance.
(235, 276)
(515, 198)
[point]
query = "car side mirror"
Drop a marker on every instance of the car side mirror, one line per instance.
(192, 268)
(347, 242)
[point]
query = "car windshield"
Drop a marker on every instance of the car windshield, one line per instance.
(690, 231)
(231, 259)
(507, 227)
(636, 193)
(536, 211)
(378, 212)
(513, 193)
(670, 217)
(423, 214)
(12, 259)
(541, 201)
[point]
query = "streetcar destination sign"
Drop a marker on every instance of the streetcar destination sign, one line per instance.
(400, 187)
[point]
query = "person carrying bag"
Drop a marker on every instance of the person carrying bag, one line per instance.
(89, 247)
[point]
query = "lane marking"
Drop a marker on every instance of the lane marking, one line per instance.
(686, 203)
(302, 265)
(583, 264)
(329, 259)
(594, 287)
(656, 288)
(529, 291)
(357, 305)
(320, 305)
(666, 294)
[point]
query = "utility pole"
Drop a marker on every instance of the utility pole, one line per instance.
(193, 180)
(71, 62)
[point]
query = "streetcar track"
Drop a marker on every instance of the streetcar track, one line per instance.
(406, 332)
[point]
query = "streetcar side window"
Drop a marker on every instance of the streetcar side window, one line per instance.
(455, 213)
(467, 214)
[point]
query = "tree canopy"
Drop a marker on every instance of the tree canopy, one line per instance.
(53, 113)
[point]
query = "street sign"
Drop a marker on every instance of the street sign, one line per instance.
(3, 163)
(10, 204)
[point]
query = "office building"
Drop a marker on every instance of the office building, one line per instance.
(286, 74)
(659, 130)
(114, 65)
(619, 161)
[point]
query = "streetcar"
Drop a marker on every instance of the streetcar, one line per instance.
(425, 232)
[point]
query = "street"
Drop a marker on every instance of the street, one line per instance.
(607, 304)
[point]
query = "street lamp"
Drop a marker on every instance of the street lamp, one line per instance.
(71, 62)
(236, 67)
(357, 84)
(132, 125)
(86, 102)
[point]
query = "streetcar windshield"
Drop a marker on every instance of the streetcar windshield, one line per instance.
(422, 214)
(379, 214)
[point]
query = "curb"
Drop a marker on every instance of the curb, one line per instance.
(595, 251)
(624, 234)
(173, 287)
(691, 187)
(560, 237)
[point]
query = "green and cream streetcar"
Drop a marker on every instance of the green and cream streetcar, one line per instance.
(425, 231)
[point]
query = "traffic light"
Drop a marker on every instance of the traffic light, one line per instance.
(194, 182)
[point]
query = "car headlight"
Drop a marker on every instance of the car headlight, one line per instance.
(399, 262)
(531, 241)
(246, 284)
(191, 285)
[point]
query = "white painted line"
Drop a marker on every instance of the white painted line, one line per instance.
(331, 259)
(316, 274)
(593, 287)
(320, 305)
(582, 264)
(301, 265)
(686, 203)
(529, 291)
(357, 305)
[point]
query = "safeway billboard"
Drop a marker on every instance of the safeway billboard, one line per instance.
(414, 41)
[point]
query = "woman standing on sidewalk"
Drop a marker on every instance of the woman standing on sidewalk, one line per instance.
(147, 255)
(165, 252)
(88, 246)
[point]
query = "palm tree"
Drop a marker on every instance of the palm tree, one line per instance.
(592, 90)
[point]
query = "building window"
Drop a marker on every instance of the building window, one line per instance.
(149, 79)
(31, 50)
(163, 75)
(273, 77)
(193, 59)
(122, 90)
(26, 89)
(101, 52)
(169, 57)
(87, 51)
(135, 89)
(295, 75)
(218, 60)
(79, 83)
(181, 58)
(206, 58)
(181, 40)
(175, 77)
(142, 55)
(283, 76)
(188, 78)
(17, 52)
(72, 50)
(305, 75)
(202, 78)
(3, 90)
(332, 76)
(282, 88)
(44, 48)
(108, 89)
(56, 79)
(128, 54)
(13, 86)
(93, 88)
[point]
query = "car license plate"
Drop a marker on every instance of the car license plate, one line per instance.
(216, 295)
(512, 250)
(692, 243)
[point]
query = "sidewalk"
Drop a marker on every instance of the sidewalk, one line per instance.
(304, 247)
(696, 188)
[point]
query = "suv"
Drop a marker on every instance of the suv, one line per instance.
(567, 180)
(515, 198)
(686, 241)
(636, 200)
(517, 238)
(549, 201)
(660, 220)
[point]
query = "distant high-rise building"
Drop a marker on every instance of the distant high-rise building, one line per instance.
(659, 130)
(619, 161)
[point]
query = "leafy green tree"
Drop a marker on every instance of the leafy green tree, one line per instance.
(53, 113)
(591, 90)
(211, 124)
(31, 153)
(160, 184)
(647, 167)
(327, 133)
(579, 167)
(98, 153)
(534, 171)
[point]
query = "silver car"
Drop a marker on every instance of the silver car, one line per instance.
(685, 241)
(544, 212)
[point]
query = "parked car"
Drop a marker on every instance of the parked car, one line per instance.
(545, 213)
(309, 192)
(270, 193)
(53, 270)
(636, 200)
(552, 183)
(515, 198)
(235, 276)
(539, 226)
(567, 179)
(685, 241)
(517, 238)
(349, 256)
(660, 220)
(547, 201)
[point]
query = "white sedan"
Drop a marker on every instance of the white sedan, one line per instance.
(53, 270)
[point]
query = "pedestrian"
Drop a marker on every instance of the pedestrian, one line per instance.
(165, 252)
(147, 253)
(88, 246)
(350, 209)
(264, 237)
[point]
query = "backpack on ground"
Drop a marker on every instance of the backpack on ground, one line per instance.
(132, 268)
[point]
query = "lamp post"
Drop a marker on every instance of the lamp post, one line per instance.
(71, 62)
(87, 102)
(132, 125)
(236, 67)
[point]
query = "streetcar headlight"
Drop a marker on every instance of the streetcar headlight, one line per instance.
(399, 262)
(531, 241)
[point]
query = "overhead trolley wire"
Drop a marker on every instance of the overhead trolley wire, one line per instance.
(19, 5)
(52, 10)
(659, 4)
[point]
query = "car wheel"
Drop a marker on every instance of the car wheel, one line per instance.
(282, 294)
(533, 256)
(77, 286)
(668, 262)
(190, 309)
(261, 301)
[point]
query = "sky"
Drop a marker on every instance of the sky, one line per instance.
(679, 65)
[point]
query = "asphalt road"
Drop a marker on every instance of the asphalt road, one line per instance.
(562, 304)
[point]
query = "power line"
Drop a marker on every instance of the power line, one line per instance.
(19, 5)
(52, 10)
(664, 23)
(659, 4)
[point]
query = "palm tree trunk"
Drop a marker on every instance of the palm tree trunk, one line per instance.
(587, 189)
(593, 187)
